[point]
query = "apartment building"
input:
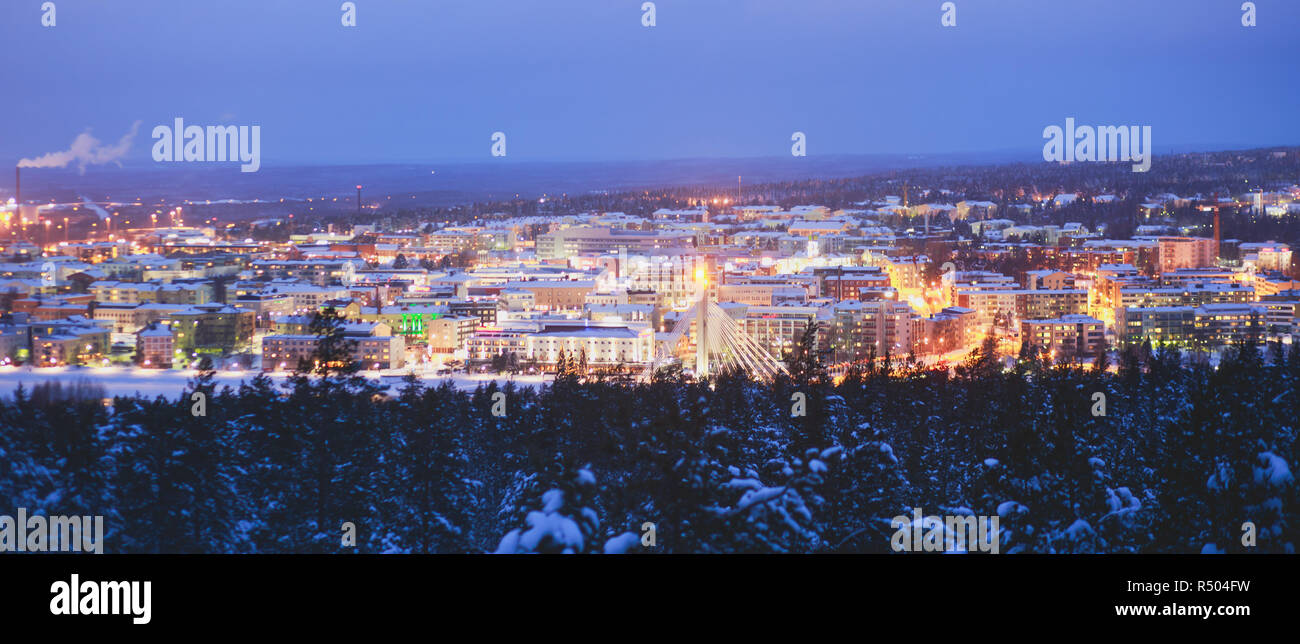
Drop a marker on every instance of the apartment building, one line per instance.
(264, 306)
(1046, 304)
(450, 333)
(952, 328)
(155, 346)
(373, 347)
(571, 242)
(68, 342)
(858, 329)
(552, 295)
(776, 328)
(1068, 335)
(211, 328)
(1222, 324)
(1159, 324)
(319, 272)
(130, 318)
(1209, 325)
(598, 345)
(1186, 252)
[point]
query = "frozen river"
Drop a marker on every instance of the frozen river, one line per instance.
(126, 381)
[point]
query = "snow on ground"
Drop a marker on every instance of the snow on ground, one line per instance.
(127, 381)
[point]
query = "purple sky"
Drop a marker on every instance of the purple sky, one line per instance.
(419, 81)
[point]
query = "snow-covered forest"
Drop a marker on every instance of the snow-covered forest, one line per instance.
(1184, 454)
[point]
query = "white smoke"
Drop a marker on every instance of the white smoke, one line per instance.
(86, 150)
(95, 208)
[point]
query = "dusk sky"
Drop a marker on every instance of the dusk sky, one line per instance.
(584, 80)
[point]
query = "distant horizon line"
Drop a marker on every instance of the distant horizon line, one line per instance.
(1003, 155)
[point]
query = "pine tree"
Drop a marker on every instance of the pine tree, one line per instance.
(564, 524)
(335, 352)
(806, 361)
(423, 481)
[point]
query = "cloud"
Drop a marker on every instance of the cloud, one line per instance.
(85, 150)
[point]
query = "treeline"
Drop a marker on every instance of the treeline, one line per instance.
(1180, 457)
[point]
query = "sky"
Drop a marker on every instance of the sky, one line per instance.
(584, 80)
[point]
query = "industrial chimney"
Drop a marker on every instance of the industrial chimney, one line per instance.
(18, 202)
(1218, 236)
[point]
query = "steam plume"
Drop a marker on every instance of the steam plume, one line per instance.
(85, 150)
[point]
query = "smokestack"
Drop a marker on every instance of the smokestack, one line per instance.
(18, 187)
(1218, 238)
(358, 201)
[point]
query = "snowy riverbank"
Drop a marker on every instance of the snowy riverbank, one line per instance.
(127, 381)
